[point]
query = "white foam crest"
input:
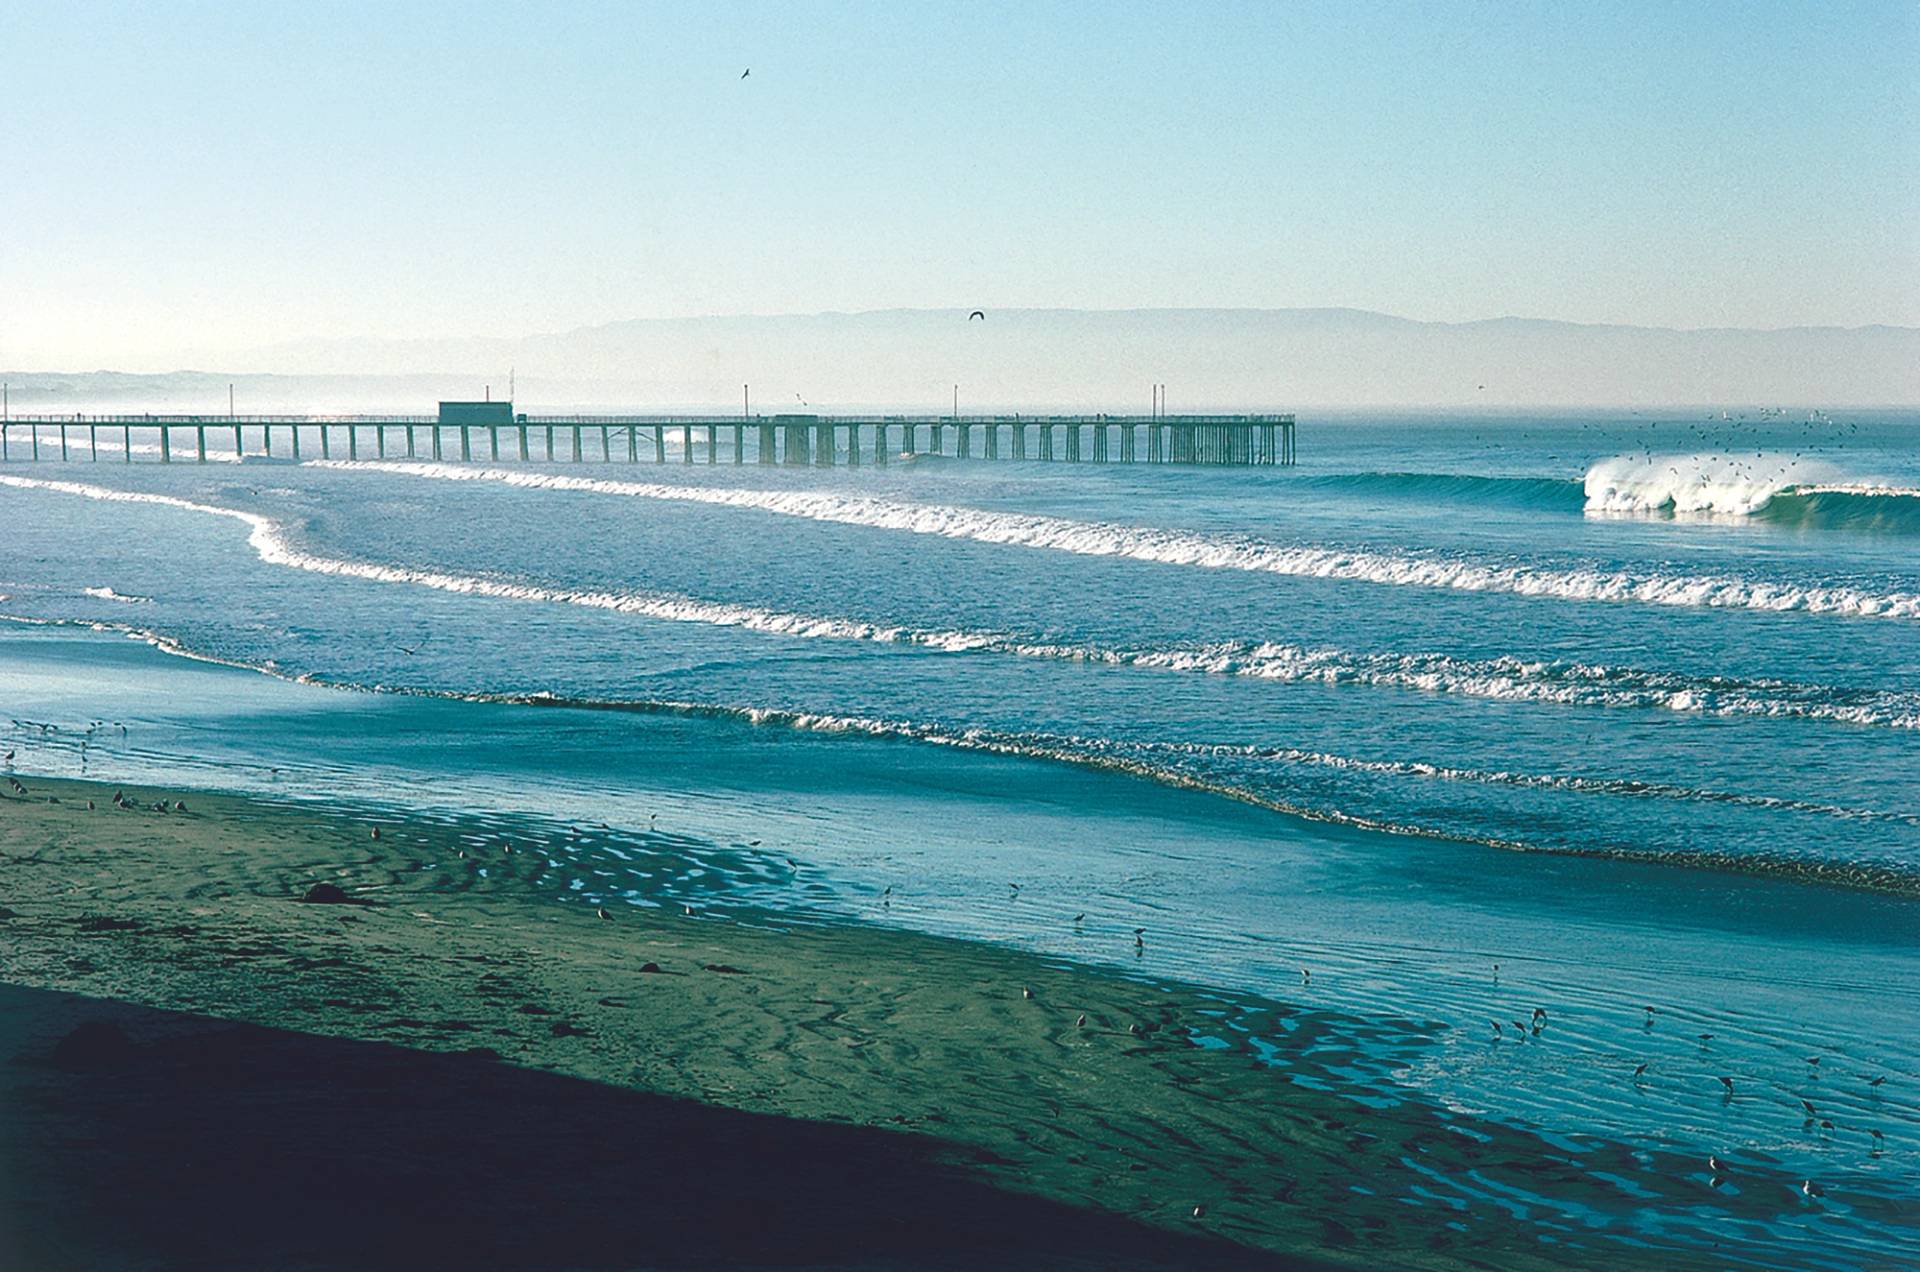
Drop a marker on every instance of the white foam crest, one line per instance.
(1175, 547)
(272, 547)
(1874, 489)
(1135, 757)
(1537, 680)
(108, 594)
(1714, 484)
(1505, 678)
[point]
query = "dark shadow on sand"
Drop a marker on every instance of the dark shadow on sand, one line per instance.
(209, 1145)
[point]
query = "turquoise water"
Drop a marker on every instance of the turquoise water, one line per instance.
(1628, 705)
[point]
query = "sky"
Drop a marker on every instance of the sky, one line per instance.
(188, 181)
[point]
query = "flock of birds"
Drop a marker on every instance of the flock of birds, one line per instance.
(1727, 433)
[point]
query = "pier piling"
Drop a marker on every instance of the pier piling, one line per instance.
(804, 440)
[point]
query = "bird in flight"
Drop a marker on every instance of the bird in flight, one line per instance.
(746, 72)
(978, 313)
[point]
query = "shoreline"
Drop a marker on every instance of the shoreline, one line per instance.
(1874, 879)
(1159, 1103)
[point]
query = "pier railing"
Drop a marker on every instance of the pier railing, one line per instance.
(816, 440)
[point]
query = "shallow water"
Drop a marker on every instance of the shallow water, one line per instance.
(1452, 693)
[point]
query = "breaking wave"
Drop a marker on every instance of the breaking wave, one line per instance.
(1179, 547)
(1182, 765)
(1782, 490)
(1508, 678)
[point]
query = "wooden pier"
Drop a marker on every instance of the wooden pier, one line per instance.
(815, 440)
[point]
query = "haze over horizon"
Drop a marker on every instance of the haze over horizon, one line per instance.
(219, 179)
(920, 360)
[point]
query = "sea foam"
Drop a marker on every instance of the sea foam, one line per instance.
(1186, 548)
(1509, 678)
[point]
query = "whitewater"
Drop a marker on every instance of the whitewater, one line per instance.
(1171, 547)
(1509, 678)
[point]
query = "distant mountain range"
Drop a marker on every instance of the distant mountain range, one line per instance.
(911, 359)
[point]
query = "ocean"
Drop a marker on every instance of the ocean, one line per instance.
(1615, 715)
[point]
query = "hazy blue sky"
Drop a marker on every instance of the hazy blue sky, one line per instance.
(209, 177)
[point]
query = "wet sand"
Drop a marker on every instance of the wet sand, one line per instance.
(456, 1070)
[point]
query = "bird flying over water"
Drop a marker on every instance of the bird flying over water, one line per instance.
(981, 314)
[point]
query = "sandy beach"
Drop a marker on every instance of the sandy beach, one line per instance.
(446, 1069)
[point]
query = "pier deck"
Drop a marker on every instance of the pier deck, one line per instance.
(816, 440)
